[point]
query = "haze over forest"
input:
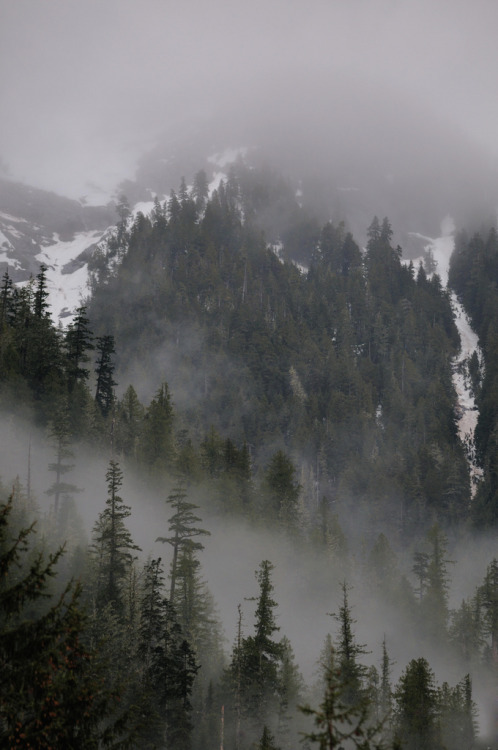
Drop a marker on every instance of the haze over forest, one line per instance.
(241, 378)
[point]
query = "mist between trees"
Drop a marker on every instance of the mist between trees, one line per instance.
(291, 499)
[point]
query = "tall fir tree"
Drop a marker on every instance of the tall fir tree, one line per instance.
(113, 546)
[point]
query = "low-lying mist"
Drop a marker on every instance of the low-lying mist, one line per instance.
(308, 580)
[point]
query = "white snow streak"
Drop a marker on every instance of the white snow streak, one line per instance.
(441, 249)
(66, 290)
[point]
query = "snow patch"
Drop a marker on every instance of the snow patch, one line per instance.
(5, 242)
(228, 156)
(215, 181)
(144, 207)
(66, 290)
(15, 219)
(440, 250)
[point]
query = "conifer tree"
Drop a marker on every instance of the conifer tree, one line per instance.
(458, 715)
(261, 654)
(157, 442)
(348, 652)
(6, 292)
(78, 343)
(283, 489)
(113, 545)
(182, 532)
(167, 666)
(267, 741)
(59, 432)
(129, 423)
(417, 711)
(434, 602)
(338, 722)
(104, 393)
(488, 593)
(52, 688)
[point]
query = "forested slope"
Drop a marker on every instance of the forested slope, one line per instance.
(341, 365)
(311, 410)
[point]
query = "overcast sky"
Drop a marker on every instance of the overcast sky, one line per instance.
(86, 84)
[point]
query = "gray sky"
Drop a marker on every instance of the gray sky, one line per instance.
(85, 86)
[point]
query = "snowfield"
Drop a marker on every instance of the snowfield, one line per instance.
(441, 249)
(67, 289)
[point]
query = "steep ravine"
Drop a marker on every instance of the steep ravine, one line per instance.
(441, 248)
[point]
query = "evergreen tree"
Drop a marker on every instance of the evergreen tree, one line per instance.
(59, 432)
(128, 424)
(52, 689)
(113, 545)
(40, 304)
(267, 741)
(488, 594)
(338, 722)
(434, 602)
(157, 442)
(104, 393)
(261, 655)
(167, 665)
(458, 715)
(78, 343)
(283, 489)
(348, 652)
(417, 709)
(182, 532)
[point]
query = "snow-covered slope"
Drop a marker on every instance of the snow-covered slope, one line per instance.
(440, 250)
(67, 272)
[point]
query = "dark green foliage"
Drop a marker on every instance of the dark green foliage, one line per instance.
(434, 585)
(417, 712)
(458, 715)
(337, 721)
(167, 666)
(254, 670)
(267, 741)
(52, 689)
(128, 424)
(78, 343)
(346, 361)
(283, 489)
(113, 545)
(104, 370)
(348, 651)
(473, 273)
(157, 445)
(60, 435)
(182, 532)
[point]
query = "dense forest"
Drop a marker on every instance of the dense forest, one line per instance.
(309, 405)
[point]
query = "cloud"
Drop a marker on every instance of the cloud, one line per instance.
(84, 85)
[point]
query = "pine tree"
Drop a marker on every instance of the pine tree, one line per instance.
(416, 714)
(157, 442)
(167, 665)
(182, 531)
(261, 655)
(348, 651)
(40, 304)
(128, 424)
(52, 688)
(104, 392)
(113, 545)
(78, 343)
(434, 602)
(283, 489)
(60, 434)
(338, 722)
(488, 594)
(267, 741)
(458, 715)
